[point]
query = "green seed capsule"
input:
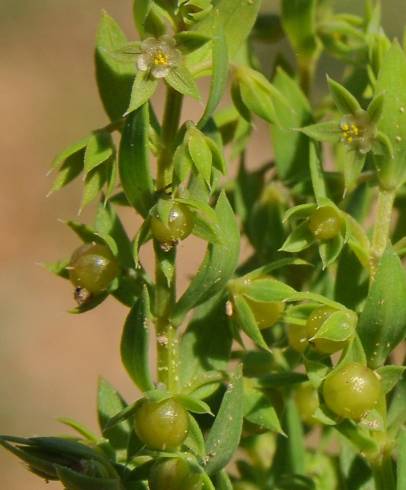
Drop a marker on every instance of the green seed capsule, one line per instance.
(174, 474)
(307, 402)
(325, 223)
(93, 268)
(351, 391)
(267, 314)
(297, 337)
(180, 225)
(161, 425)
(314, 322)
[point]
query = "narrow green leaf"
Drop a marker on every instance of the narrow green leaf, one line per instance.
(397, 412)
(205, 348)
(401, 466)
(268, 289)
(391, 80)
(390, 376)
(200, 153)
(223, 481)
(382, 323)
(375, 108)
(80, 428)
(134, 166)
(59, 267)
(290, 146)
(339, 326)
(94, 183)
(77, 481)
(246, 321)
(218, 265)
(328, 131)
(69, 151)
(142, 90)
(193, 404)
(298, 20)
(109, 223)
(99, 149)
(110, 403)
(224, 436)
(141, 10)
(316, 173)
(237, 18)
(219, 74)
(330, 250)
(183, 82)
(114, 78)
(195, 439)
(346, 103)
(70, 169)
(135, 343)
(258, 410)
(300, 239)
(257, 100)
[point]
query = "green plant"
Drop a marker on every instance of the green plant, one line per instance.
(226, 386)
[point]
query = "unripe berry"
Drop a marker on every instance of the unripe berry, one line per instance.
(179, 226)
(325, 223)
(307, 402)
(267, 314)
(93, 268)
(351, 391)
(161, 424)
(174, 474)
(297, 337)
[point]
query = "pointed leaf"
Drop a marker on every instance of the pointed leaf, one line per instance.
(134, 166)
(110, 403)
(142, 90)
(346, 103)
(382, 323)
(246, 321)
(218, 265)
(224, 435)
(183, 82)
(114, 78)
(135, 343)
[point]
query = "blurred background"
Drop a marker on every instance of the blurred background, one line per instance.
(49, 359)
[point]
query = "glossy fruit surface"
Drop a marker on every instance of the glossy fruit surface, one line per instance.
(307, 402)
(297, 337)
(179, 226)
(325, 223)
(93, 267)
(351, 391)
(161, 425)
(174, 474)
(267, 314)
(314, 322)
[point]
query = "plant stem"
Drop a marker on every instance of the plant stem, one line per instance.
(165, 261)
(382, 228)
(170, 124)
(384, 475)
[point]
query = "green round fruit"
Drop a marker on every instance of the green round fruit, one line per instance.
(180, 225)
(174, 474)
(351, 391)
(297, 337)
(244, 485)
(314, 322)
(325, 223)
(93, 268)
(307, 402)
(267, 314)
(161, 424)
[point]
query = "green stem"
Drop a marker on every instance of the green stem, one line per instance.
(384, 474)
(165, 261)
(381, 228)
(170, 124)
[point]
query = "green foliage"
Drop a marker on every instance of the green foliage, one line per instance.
(316, 307)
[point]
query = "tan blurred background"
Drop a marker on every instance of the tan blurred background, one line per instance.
(50, 360)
